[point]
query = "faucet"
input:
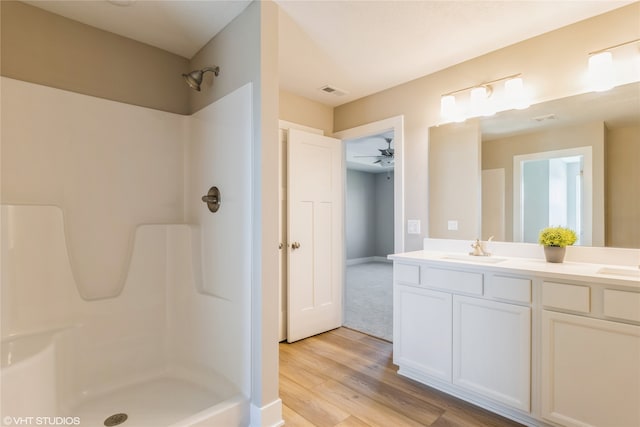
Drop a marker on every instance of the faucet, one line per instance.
(479, 248)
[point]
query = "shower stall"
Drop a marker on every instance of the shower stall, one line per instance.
(124, 299)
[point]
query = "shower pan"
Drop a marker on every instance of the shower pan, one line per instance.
(110, 315)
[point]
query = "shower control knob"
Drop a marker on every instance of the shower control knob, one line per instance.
(212, 199)
(295, 245)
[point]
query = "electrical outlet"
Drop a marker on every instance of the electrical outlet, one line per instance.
(452, 225)
(413, 226)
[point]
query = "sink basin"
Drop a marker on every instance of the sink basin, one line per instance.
(620, 271)
(472, 258)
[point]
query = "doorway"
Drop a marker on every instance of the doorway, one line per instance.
(552, 189)
(373, 223)
(368, 294)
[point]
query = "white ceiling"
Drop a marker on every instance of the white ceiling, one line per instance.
(363, 47)
(360, 47)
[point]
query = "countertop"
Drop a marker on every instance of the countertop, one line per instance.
(539, 267)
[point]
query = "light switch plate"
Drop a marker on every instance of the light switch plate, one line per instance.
(452, 225)
(413, 226)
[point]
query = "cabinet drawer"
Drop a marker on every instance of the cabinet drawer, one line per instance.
(622, 305)
(406, 273)
(509, 288)
(452, 280)
(566, 296)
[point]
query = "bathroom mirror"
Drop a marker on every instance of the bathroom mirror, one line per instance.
(605, 123)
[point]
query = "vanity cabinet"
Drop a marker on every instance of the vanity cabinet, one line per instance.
(538, 346)
(464, 329)
(591, 366)
(492, 349)
(422, 331)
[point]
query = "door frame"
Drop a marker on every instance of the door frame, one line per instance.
(397, 125)
(590, 229)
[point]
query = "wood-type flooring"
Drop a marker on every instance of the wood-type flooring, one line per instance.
(345, 378)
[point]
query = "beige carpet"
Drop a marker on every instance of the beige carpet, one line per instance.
(369, 299)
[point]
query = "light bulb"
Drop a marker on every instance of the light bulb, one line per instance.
(479, 104)
(601, 71)
(515, 94)
(448, 108)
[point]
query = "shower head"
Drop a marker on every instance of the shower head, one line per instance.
(194, 78)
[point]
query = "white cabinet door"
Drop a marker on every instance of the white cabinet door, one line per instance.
(492, 350)
(590, 371)
(422, 330)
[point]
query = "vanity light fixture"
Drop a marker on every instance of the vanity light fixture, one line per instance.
(449, 111)
(515, 93)
(480, 101)
(601, 71)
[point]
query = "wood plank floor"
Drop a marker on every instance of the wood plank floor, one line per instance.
(347, 379)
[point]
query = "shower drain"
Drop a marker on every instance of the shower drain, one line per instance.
(115, 419)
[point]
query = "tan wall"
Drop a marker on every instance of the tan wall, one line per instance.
(44, 48)
(498, 154)
(296, 109)
(622, 224)
(236, 50)
(454, 158)
(553, 66)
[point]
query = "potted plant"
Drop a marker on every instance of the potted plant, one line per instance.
(555, 241)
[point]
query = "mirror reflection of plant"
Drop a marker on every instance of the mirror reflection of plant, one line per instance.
(557, 236)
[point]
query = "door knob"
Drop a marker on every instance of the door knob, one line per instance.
(295, 245)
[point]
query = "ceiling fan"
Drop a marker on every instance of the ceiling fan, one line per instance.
(385, 158)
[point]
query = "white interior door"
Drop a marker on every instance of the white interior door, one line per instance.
(315, 229)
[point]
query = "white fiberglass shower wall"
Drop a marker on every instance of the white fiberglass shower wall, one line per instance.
(121, 292)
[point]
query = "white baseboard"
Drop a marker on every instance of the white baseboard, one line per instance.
(355, 261)
(268, 416)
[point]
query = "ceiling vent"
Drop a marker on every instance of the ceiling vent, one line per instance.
(333, 90)
(545, 118)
